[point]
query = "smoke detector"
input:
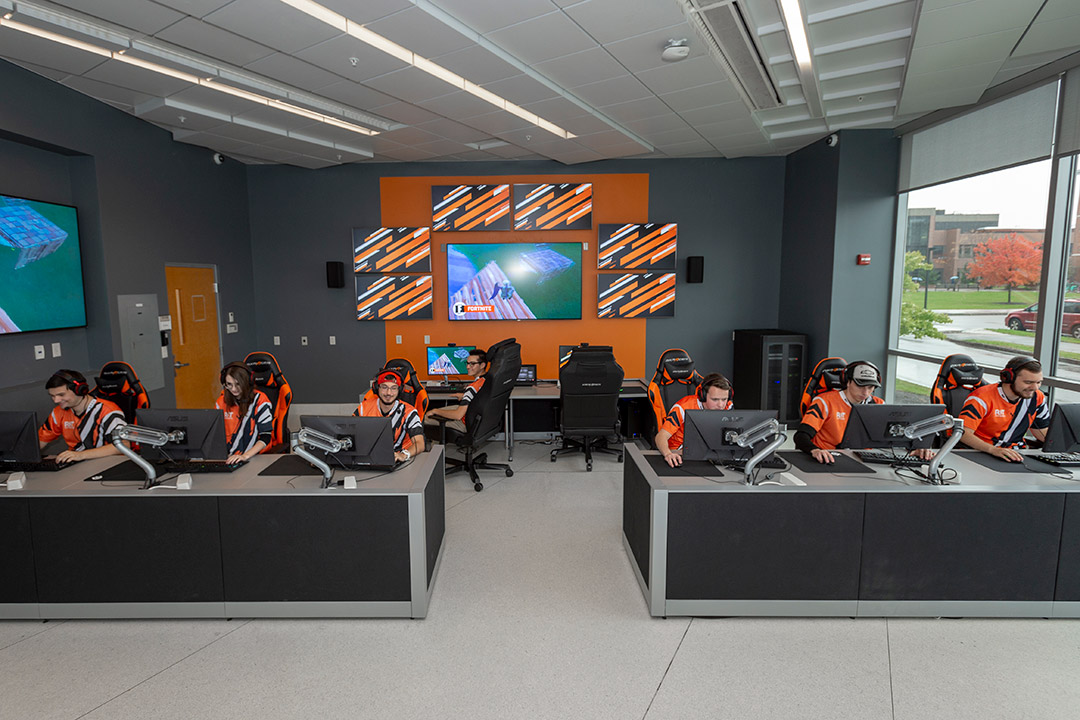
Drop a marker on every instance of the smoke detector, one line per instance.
(675, 50)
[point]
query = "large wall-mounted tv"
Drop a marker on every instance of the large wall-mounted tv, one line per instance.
(547, 206)
(393, 297)
(635, 295)
(464, 208)
(637, 247)
(514, 281)
(41, 282)
(386, 250)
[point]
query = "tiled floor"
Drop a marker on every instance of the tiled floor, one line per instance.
(536, 614)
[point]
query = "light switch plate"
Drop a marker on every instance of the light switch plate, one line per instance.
(56, 349)
(277, 339)
(333, 339)
(303, 339)
(39, 352)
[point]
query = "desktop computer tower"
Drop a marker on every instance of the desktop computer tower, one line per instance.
(770, 369)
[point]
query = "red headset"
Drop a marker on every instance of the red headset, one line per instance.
(77, 386)
(250, 374)
(1008, 373)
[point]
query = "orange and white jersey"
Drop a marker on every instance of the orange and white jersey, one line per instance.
(828, 415)
(403, 418)
(673, 423)
(86, 431)
(996, 420)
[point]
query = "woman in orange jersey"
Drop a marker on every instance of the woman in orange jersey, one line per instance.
(249, 416)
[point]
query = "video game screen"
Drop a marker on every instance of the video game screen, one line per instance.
(41, 283)
(514, 281)
(448, 359)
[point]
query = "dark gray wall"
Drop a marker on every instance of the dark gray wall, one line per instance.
(840, 202)
(143, 201)
(728, 211)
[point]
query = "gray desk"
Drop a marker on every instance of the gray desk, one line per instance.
(998, 545)
(235, 545)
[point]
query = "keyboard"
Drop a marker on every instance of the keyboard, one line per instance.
(879, 457)
(1059, 459)
(197, 466)
(772, 462)
(42, 466)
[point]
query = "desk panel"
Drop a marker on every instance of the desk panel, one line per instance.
(1068, 585)
(149, 549)
(17, 556)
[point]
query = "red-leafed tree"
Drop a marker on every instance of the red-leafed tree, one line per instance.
(1012, 261)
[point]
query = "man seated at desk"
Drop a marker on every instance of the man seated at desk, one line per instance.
(85, 422)
(996, 417)
(408, 430)
(714, 393)
(476, 366)
(824, 422)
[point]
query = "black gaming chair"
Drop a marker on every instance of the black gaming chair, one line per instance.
(958, 376)
(484, 415)
(413, 392)
(269, 379)
(118, 383)
(589, 385)
(828, 375)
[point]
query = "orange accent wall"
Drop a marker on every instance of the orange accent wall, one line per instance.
(406, 201)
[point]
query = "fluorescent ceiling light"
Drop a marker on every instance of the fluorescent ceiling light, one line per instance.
(407, 56)
(55, 37)
(796, 28)
(154, 67)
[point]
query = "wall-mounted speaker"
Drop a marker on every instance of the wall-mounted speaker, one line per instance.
(335, 274)
(695, 269)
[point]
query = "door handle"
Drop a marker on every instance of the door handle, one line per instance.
(180, 364)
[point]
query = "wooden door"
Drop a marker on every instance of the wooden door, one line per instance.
(196, 339)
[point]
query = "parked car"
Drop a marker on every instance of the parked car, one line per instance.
(1025, 319)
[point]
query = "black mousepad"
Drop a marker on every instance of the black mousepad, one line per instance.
(123, 472)
(1004, 466)
(288, 465)
(841, 463)
(689, 468)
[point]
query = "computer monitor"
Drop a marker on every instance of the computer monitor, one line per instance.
(882, 426)
(1063, 435)
(204, 434)
(705, 433)
(372, 440)
(18, 437)
(448, 359)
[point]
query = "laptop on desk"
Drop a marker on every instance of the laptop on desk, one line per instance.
(526, 376)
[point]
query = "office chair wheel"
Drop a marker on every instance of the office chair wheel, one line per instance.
(554, 454)
(509, 472)
(478, 486)
(588, 466)
(620, 457)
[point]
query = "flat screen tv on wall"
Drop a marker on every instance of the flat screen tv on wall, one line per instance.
(41, 281)
(514, 281)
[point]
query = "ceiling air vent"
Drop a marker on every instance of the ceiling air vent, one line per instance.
(725, 29)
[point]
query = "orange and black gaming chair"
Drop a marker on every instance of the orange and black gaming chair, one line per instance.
(270, 381)
(413, 391)
(958, 376)
(674, 379)
(118, 383)
(828, 375)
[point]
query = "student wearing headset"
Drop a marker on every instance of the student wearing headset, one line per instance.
(714, 393)
(408, 430)
(996, 417)
(476, 366)
(249, 416)
(85, 422)
(824, 422)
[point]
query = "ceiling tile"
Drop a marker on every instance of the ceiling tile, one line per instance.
(688, 147)
(356, 95)
(510, 151)
(871, 22)
(967, 51)
(410, 136)
(16, 45)
(477, 65)
(248, 134)
(174, 114)
(145, 17)
(864, 59)
(716, 113)
(105, 91)
(542, 38)
(615, 90)
(483, 17)
(673, 137)
(1057, 35)
(582, 68)
(557, 110)
(453, 131)
(637, 110)
(498, 122)
(213, 41)
(658, 124)
(291, 71)
(459, 104)
(972, 19)
(409, 154)
(334, 134)
(521, 89)
(443, 147)
(336, 55)
(682, 75)
(195, 8)
(213, 100)
(642, 52)
(368, 10)
(276, 118)
(282, 28)
(411, 85)
(692, 98)
(585, 125)
(406, 113)
(611, 20)
(119, 73)
(420, 32)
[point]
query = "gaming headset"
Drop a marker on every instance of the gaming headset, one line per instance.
(77, 386)
(849, 371)
(392, 371)
(1008, 373)
(702, 391)
(250, 374)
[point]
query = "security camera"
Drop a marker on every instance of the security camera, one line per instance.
(219, 159)
(833, 140)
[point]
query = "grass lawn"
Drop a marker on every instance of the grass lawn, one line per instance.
(910, 387)
(1018, 347)
(973, 299)
(1031, 334)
